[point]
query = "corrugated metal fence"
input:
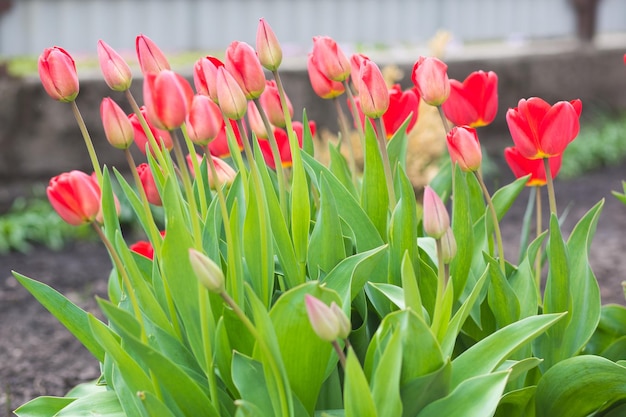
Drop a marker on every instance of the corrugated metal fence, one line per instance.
(205, 25)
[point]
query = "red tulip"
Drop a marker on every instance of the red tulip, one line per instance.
(256, 122)
(464, 148)
(243, 64)
(114, 68)
(436, 220)
(330, 59)
(430, 77)
(270, 101)
(282, 139)
(148, 184)
(205, 76)
(204, 120)
(167, 96)
(535, 167)
(373, 91)
(57, 71)
(473, 102)
(322, 85)
(542, 131)
(150, 56)
(268, 47)
(117, 128)
(143, 248)
(356, 61)
(219, 145)
(140, 135)
(75, 196)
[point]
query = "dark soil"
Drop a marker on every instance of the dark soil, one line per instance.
(38, 356)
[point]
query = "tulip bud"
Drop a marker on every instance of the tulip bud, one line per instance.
(57, 71)
(270, 101)
(324, 321)
(117, 128)
(322, 85)
(330, 59)
(150, 57)
(148, 184)
(141, 139)
(356, 62)
(243, 64)
(75, 196)
(256, 122)
(373, 91)
(115, 70)
(345, 327)
(435, 220)
(268, 47)
(204, 120)
(205, 76)
(430, 76)
(167, 96)
(225, 173)
(448, 246)
(207, 271)
(231, 97)
(464, 148)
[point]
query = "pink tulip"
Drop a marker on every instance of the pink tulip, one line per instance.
(330, 59)
(167, 96)
(430, 77)
(242, 62)
(270, 101)
(356, 61)
(464, 148)
(373, 91)
(322, 85)
(150, 57)
(114, 68)
(225, 173)
(205, 76)
(117, 128)
(57, 71)
(231, 98)
(267, 46)
(435, 220)
(324, 321)
(141, 139)
(204, 120)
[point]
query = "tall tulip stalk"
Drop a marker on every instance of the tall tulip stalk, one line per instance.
(282, 285)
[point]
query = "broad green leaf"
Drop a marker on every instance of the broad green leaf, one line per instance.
(423, 390)
(524, 282)
(518, 403)
(462, 229)
(385, 380)
(223, 357)
(104, 404)
(247, 374)
(43, 406)
(71, 316)
(611, 328)
(357, 396)
(504, 198)
(374, 192)
(580, 386)
(154, 406)
(402, 229)
(501, 297)
(385, 297)
(477, 396)
(339, 167)
(412, 297)
(397, 146)
(109, 208)
(489, 353)
(300, 207)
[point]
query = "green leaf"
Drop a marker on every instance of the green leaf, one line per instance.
(71, 316)
(518, 403)
(385, 380)
(357, 396)
(402, 229)
(385, 297)
(104, 403)
(412, 297)
(397, 146)
(374, 193)
(501, 297)
(43, 406)
(610, 329)
(247, 374)
(477, 396)
(462, 229)
(580, 386)
(339, 167)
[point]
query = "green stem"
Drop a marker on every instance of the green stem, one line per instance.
(205, 314)
(347, 139)
(199, 176)
(438, 313)
(382, 146)
(90, 149)
(494, 218)
(444, 120)
(233, 146)
(355, 113)
(550, 182)
(539, 230)
(340, 353)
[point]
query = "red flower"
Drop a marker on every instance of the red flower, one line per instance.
(117, 128)
(204, 120)
(167, 97)
(144, 247)
(535, 167)
(205, 76)
(270, 101)
(140, 135)
(373, 92)
(75, 196)
(244, 65)
(219, 145)
(542, 131)
(115, 70)
(473, 102)
(148, 184)
(57, 71)
(322, 85)
(331, 60)
(282, 140)
(464, 148)
(430, 77)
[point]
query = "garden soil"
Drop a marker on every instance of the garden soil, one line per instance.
(38, 356)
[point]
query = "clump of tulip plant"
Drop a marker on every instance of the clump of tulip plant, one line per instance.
(282, 286)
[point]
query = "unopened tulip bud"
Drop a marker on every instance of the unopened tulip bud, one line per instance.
(256, 122)
(207, 271)
(323, 320)
(225, 173)
(148, 184)
(243, 64)
(345, 327)
(57, 71)
(448, 246)
(435, 219)
(150, 56)
(331, 60)
(204, 120)
(322, 85)
(75, 196)
(114, 68)
(270, 101)
(356, 62)
(267, 46)
(231, 97)
(167, 96)
(373, 91)
(117, 128)
(205, 76)
(430, 76)
(464, 148)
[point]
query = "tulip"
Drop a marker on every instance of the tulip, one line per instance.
(330, 59)
(204, 120)
(430, 77)
(256, 122)
(473, 102)
(148, 184)
(282, 140)
(322, 85)
(167, 97)
(270, 101)
(243, 64)
(373, 91)
(140, 135)
(436, 220)
(114, 68)
(57, 71)
(521, 166)
(323, 320)
(207, 271)
(143, 248)
(542, 131)
(225, 173)
(219, 146)
(464, 148)
(205, 76)
(150, 57)
(231, 98)
(75, 196)
(345, 327)
(117, 128)
(267, 46)
(356, 61)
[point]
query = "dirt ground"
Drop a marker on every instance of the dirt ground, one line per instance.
(40, 357)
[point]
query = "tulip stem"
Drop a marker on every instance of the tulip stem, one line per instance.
(550, 183)
(440, 316)
(347, 139)
(494, 218)
(444, 120)
(539, 227)
(90, 149)
(355, 113)
(382, 145)
(199, 177)
(205, 314)
(340, 353)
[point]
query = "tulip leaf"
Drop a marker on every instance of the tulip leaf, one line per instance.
(412, 297)
(461, 229)
(504, 198)
(103, 403)
(397, 146)
(385, 297)
(357, 396)
(580, 386)
(610, 329)
(518, 403)
(501, 297)
(402, 229)
(44, 406)
(247, 374)
(385, 380)
(300, 207)
(340, 169)
(374, 192)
